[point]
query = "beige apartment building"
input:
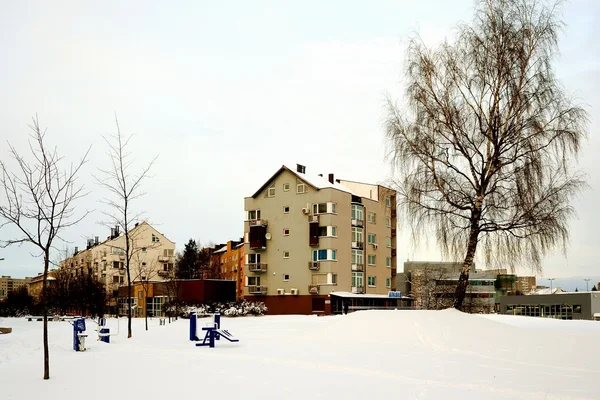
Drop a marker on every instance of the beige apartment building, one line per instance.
(8, 285)
(309, 236)
(153, 258)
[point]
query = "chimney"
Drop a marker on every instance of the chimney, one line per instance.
(331, 180)
(96, 239)
(112, 233)
(76, 250)
(300, 168)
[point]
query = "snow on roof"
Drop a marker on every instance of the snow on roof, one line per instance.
(221, 250)
(556, 290)
(320, 182)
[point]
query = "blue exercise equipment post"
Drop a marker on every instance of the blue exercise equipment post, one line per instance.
(79, 335)
(213, 332)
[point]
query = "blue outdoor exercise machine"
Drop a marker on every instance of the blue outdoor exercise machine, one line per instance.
(104, 332)
(79, 334)
(213, 332)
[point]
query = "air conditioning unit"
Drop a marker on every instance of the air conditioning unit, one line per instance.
(305, 210)
(294, 291)
(280, 291)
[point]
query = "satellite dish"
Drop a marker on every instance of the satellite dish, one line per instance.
(268, 236)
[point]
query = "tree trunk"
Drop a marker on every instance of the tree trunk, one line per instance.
(463, 281)
(45, 311)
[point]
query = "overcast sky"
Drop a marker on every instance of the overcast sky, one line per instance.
(226, 92)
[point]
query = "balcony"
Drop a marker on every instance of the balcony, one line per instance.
(163, 273)
(358, 222)
(257, 222)
(313, 289)
(393, 232)
(358, 289)
(164, 258)
(393, 213)
(358, 267)
(393, 252)
(313, 265)
(313, 219)
(257, 267)
(255, 289)
(358, 245)
(122, 271)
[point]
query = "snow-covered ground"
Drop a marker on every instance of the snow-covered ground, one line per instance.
(363, 355)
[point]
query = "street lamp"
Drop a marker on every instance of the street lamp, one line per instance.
(586, 284)
(551, 279)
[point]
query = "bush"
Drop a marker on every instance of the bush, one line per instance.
(229, 309)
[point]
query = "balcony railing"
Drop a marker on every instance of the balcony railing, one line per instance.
(163, 273)
(393, 252)
(259, 267)
(358, 289)
(358, 222)
(313, 265)
(358, 245)
(358, 267)
(313, 289)
(164, 258)
(393, 232)
(257, 222)
(256, 289)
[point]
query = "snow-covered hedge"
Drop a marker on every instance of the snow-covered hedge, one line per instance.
(230, 309)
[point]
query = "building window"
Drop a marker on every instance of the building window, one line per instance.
(371, 281)
(286, 254)
(388, 222)
(271, 191)
(357, 257)
(372, 217)
(253, 258)
(286, 187)
(168, 252)
(325, 255)
(286, 277)
(357, 212)
(155, 238)
(388, 241)
(334, 279)
(371, 259)
(388, 282)
(253, 215)
(324, 208)
(328, 231)
(388, 201)
(253, 281)
(300, 186)
(144, 249)
(116, 279)
(116, 264)
(372, 238)
(286, 232)
(357, 279)
(388, 261)
(357, 234)
(286, 209)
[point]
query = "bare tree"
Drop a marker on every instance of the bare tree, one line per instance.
(486, 142)
(144, 272)
(124, 187)
(39, 200)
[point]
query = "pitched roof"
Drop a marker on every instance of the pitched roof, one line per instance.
(315, 181)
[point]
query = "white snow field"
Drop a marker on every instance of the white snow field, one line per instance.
(364, 355)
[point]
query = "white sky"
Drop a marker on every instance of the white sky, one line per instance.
(226, 93)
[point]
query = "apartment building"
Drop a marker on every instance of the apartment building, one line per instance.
(36, 284)
(8, 285)
(153, 258)
(231, 265)
(307, 236)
